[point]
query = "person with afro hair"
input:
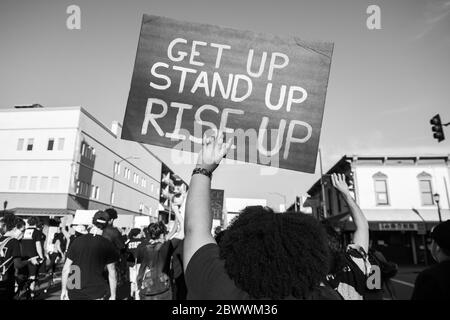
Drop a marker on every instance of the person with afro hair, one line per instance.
(261, 255)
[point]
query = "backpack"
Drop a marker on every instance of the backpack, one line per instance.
(5, 264)
(151, 279)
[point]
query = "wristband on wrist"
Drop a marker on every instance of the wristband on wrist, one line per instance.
(202, 171)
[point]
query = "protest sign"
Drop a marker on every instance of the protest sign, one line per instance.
(267, 91)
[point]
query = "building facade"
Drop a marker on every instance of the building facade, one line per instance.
(58, 160)
(401, 197)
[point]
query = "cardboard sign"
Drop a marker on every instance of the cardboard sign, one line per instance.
(267, 91)
(217, 203)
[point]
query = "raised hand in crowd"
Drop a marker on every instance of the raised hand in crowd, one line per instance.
(198, 219)
(361, 235)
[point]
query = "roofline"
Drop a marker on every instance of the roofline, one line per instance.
(354, 158)
(90, 116)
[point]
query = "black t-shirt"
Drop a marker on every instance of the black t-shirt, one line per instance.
(62, 240)
(177, 258)
(433, 283)
(207, 279)
(91, 254)
(30, 237)
(11, 250)
(132, 246)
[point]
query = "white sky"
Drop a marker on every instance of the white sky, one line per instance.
(384, 85)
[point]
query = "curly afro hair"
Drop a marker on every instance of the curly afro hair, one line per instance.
(275, 255)
(155, 230)
(11, 221)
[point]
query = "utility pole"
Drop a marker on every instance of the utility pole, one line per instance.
(324, 204)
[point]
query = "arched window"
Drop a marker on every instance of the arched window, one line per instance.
(425, 188)
(381, 189)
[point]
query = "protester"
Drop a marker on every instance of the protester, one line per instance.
(32, 246)
(91, 253)
(154, 258)
(58, 249)
(350, 266)
(262, 255)
(134, 240)
(179, 291)
(13, 229)
(79, 230)
(114, 235)
(387, 270)
(433, 283)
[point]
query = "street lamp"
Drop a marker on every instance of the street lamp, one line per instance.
(281, 195)
(436, 198)
(114, 176)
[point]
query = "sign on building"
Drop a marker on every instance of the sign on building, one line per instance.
(398, 226)
(267, 91)
(217, 203)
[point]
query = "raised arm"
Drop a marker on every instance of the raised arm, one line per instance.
(361, 235)
(174, 228)
(198, 218)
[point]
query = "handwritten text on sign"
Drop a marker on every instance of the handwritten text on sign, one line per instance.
(266, 91)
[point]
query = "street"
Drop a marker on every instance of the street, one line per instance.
(403, 284)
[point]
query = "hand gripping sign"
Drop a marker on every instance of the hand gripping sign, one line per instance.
(268, 92)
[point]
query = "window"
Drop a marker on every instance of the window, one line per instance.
(23, 183)
(112, 197)
(44, 183)
(20, 144)
(12, 183)
(426, 189)
(61, 144)
(381, 190)
(97, 192)
(144, 183)
(30, 144)
(151, 187)
(54, 183)
(136, 178)
(33, 183)
(117, 167)
(50, 144)
(83, 147)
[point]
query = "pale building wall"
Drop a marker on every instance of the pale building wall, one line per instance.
(403, 186)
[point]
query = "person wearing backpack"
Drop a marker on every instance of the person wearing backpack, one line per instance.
(11, 255)
(350, 266)
(154, 255)
(388, 270)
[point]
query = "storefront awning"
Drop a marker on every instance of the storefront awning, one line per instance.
(395, 220)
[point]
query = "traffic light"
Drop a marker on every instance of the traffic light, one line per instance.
(437, 128)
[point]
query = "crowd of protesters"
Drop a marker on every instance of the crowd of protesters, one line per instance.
(261, 255)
